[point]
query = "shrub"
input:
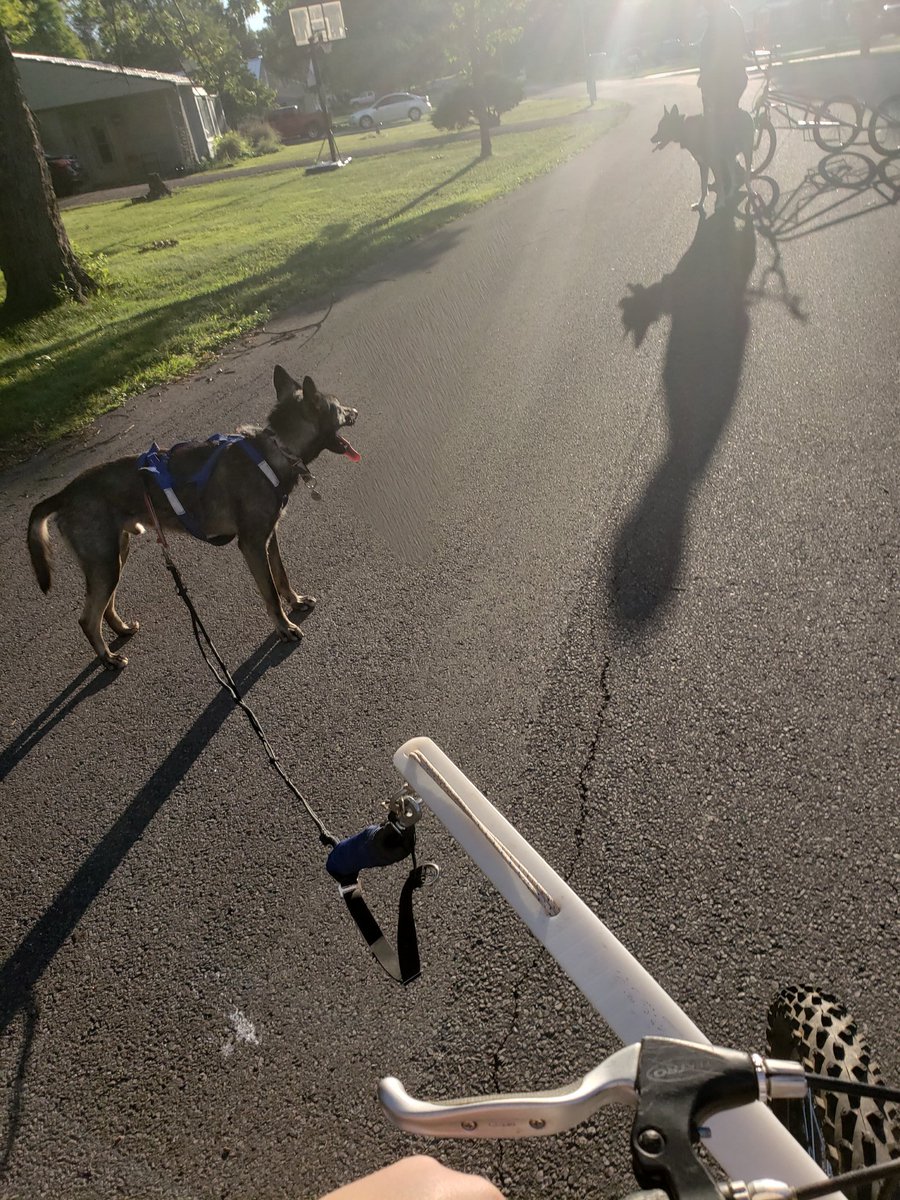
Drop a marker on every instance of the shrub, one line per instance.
(261, 136)
(456, 108)
(501, 93)
(230, 146)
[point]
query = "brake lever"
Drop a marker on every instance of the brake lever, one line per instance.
(516, 1114)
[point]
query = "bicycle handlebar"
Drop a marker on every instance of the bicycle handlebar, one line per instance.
(673, 1085)
(748, 1141)
(517, 1114)
(540, 1114)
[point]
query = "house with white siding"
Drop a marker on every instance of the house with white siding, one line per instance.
(121, 122)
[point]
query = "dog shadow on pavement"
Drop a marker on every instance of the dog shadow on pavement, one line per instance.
(23, 969)
(86, 683)
(706, 298)
(16, 1088)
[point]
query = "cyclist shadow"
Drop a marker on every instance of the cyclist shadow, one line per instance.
(706, 297)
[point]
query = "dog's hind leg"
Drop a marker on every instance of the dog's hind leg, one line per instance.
(94, 539)
(117, 623)
(291, 598)
(704, 190)
(101, 574)
(256, 556)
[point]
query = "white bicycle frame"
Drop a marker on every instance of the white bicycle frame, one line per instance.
(748, 1142)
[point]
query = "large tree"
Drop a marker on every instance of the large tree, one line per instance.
(207, 38)
(36, 259)
(477, 31)
(391, 45)
(50, 31)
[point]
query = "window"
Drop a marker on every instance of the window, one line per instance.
(101, 141)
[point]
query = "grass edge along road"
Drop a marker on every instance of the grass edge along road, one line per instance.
(185, 276)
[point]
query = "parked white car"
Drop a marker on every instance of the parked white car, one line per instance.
(363, 99)
(398, 106)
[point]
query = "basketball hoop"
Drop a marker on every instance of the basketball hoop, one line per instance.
(318, 23)
(317, 26)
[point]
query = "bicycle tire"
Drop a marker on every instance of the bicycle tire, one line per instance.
(841, 134)
(764, 142)
(841, 1132)
(884, 127)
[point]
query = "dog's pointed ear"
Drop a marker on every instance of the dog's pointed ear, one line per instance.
(311, 393)
(285, 387)
(665, 111)
(674, 110)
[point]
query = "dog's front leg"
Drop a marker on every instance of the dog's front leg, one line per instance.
(282, 583)
(256, 557)
(704, 188)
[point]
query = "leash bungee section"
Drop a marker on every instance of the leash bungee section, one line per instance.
(378, 845)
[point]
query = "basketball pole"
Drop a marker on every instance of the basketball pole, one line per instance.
(315, 46)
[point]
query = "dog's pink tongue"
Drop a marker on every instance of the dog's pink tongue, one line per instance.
(349, 451)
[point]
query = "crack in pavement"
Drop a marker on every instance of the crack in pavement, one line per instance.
(584, 775)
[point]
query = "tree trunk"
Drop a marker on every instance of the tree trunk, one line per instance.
(487, 148)
(36, 259)
(481, 111)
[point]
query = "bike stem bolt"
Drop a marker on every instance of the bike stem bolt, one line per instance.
(651, 1141)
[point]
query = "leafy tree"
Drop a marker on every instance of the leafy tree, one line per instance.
(17, 18)
(207, 38)
(390, 45)
(50, 32)
(476, 33)
(36, 259)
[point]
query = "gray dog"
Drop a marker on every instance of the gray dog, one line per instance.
(217, 490)
(695, 135)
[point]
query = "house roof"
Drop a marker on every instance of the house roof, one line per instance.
(50, 82)
(82, 64)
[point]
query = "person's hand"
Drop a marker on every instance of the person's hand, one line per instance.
(417, 1178)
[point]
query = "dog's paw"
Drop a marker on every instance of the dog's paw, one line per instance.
(289, 632)
(123, 628)
(303, 603)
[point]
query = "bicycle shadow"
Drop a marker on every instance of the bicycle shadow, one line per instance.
(706, 297)
(23, 969)
(826, 196)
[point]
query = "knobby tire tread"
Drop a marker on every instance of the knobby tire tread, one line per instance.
(815, 1029)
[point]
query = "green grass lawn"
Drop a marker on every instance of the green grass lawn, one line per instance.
(350, 141)
(247, 247)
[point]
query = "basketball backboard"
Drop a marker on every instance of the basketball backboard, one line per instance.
(318, 22)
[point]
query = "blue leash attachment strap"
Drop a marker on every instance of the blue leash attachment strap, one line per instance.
(381, 846)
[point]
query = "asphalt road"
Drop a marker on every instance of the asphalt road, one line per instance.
(644, 595)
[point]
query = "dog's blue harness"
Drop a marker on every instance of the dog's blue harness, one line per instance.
(155, 462)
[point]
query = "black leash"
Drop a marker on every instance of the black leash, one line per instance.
(376, 846)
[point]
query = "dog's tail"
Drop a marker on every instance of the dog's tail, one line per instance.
(39, 538)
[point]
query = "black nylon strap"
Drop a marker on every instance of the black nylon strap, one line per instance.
(402, 963)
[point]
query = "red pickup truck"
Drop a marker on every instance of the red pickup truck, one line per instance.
(294, 124)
